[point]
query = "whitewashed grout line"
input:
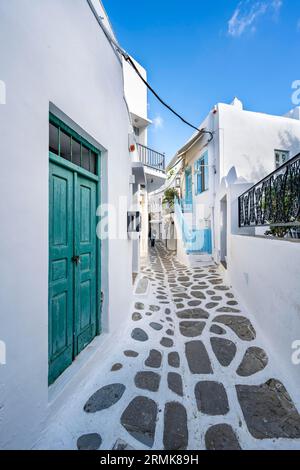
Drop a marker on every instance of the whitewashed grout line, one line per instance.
(72, 421)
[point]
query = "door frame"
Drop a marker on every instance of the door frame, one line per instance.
(223, 231)
(77, 170)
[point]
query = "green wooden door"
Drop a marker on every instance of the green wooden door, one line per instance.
(85, 271)
(72, 267)
(61, 242)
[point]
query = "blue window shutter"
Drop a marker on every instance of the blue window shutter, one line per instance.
(200, 182)
(196, 178)
(201, 174)
(199, 186)
(206, 172)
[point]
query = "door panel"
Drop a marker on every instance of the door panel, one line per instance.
(85, 271)
(60, 270)
(72, 280)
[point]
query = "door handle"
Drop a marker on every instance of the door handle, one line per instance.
(76, 259)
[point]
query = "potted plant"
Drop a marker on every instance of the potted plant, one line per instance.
(169, 198)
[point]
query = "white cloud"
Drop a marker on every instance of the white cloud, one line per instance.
(247, 13)
(158, 122)
(276, 5)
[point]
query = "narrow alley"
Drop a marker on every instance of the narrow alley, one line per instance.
(150, 231)
(192, 372)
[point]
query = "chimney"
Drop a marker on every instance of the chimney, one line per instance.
(237, 103)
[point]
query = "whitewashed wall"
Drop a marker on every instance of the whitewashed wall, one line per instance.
(245, 141)
(249, 140)
(242, 149)
(51, 51)
(265, 273)
(135, 90)
(137, 99)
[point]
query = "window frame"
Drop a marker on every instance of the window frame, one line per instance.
(136, 131)
(287, 153)
(61, 126)
(201, 172)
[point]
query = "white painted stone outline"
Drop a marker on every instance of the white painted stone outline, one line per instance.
(72, 421)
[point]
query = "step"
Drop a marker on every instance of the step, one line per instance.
(199, 256)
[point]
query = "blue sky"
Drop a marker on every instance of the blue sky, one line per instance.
(198, 53)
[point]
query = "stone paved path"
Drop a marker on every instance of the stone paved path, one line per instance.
(191, 373)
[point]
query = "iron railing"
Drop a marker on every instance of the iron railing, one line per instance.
(275, 200)
(151, 158)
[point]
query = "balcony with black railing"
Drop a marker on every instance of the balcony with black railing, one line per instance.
(151, 158)
(275, 200)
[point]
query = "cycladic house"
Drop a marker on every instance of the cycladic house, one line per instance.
(64, 146)
(148, 164)
(239, 208)
(245, 146)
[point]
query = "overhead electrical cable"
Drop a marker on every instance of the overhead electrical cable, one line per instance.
(202, 131)
(129, 60)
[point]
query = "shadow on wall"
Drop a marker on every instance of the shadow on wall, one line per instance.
(231, 178)
(257, 172)
(290, 142)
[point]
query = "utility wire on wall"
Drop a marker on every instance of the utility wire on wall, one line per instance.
(128, 59)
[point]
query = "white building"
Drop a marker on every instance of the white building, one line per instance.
(149, 165)
(64, 82)
(245, 146)
(264, 271)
